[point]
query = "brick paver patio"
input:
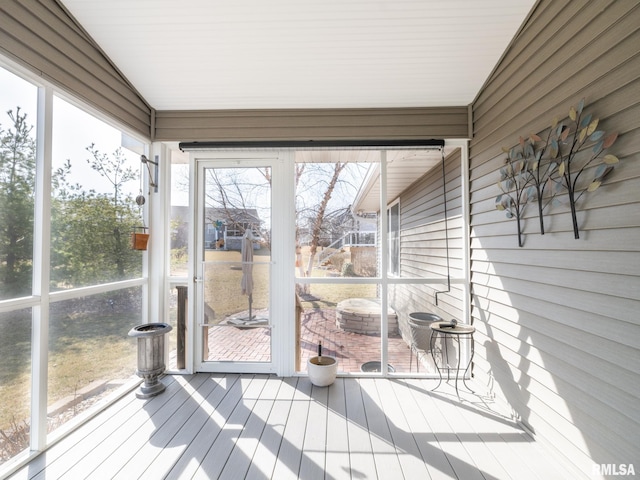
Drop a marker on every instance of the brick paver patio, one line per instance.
(316, 325)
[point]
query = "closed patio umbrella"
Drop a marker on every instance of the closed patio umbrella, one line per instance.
(247, 268)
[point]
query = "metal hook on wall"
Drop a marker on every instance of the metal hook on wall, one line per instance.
(153, 178)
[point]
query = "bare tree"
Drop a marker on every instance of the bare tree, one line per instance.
(231, 192)
(235, 195)
(320, 216)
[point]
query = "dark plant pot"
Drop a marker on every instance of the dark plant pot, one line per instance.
(150, 356)
(375, 366)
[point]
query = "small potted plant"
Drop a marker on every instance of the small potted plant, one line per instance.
(322, 369)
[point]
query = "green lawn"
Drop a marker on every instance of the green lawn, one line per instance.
(88, 338)
(88, 341)
(223, 275)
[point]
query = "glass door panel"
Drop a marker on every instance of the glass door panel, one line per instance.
(236, 321)
(236, 267)
(337, 261)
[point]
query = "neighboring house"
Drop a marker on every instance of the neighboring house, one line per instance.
(340, 229)
(344, 231)
(223, 228)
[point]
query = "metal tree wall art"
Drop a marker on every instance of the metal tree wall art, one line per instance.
(541, 172)
(538, 170)
(515, 185)
(576, 146)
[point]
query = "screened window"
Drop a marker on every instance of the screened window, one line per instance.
(93, 208)
(18, 117)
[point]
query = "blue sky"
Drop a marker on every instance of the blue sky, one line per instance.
(74, 131)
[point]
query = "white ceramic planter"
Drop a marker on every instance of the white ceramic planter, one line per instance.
(322, 370)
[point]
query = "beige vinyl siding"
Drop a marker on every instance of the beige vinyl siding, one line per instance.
(319, 124)
(423, 251)
(41, 36)
(558, 326)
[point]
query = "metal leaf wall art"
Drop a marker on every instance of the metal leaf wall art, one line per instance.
(539, 170)
(515, 186)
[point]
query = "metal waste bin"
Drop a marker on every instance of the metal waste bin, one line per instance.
(150, 356)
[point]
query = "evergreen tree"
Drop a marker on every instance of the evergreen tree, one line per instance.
(17, 185)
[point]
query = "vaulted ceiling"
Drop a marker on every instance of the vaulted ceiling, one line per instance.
(248, 54)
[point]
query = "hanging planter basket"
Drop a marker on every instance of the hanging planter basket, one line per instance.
(139, 238)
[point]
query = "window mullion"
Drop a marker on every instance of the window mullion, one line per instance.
(384, 252)
(41, 267)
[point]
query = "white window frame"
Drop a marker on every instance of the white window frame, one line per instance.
(392, 253)
(41, 297)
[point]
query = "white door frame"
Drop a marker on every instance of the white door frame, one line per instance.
(282, 286)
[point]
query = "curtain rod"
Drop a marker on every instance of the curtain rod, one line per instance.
(312, 144)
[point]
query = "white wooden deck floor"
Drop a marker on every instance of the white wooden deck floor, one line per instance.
(261, 427)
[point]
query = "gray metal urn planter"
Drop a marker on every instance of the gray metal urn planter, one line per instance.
(150, 356)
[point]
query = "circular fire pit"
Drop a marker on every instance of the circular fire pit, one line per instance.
(362, 315)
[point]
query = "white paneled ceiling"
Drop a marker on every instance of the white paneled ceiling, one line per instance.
(248, 54)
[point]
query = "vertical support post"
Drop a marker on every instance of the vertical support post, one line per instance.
(384, 237)
(466, 234)
(156, 261)
(41, 262)
(182, 326)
